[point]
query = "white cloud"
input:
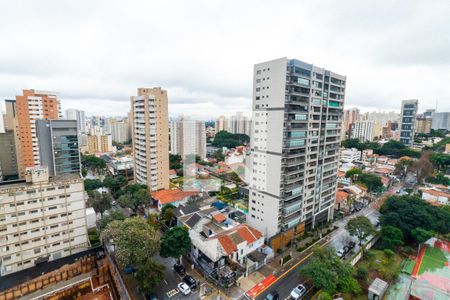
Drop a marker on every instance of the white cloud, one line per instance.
(97, 53)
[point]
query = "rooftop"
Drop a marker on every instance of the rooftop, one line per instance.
(170, 196)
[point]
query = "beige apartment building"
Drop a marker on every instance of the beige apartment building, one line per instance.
(99, 143)
(150, 135)
(42, 218)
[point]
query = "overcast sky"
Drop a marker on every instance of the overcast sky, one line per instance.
(97, 53)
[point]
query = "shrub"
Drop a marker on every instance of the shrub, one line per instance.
(362, 273)
(407, 250)
(324, 296)
(389, 253)
(349, 285)
(286, 258)
(368, 254)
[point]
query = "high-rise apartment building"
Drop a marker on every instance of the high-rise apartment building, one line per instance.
(297, 118)
(239, 124)
(41, 219)
(408, 121)
(78, 115)
(441, 120)
(188, 137)
(423, 124)
(350, 117)
(99, 143)
(119, 129)
(58, 146)
(362, 130)
(31, 106)
(150, 135)
(8, 156)
(221, 124)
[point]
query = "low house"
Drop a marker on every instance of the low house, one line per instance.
(342, 201)
(356, 190)
(174, 197)
(222, 247)
(172, 174)
(385, 171)
(436, 196)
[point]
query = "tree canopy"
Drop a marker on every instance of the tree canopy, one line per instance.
(112, 216)
(99, 201)
(391, 148)
(94, 163)
(360, 227)
(410, 212)
(327, 272)
(230, 140)
(175, 242)
(391, 237)
(136, 243)
(371, 181)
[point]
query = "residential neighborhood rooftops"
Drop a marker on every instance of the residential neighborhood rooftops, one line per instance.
(341, 196)
(169, 196)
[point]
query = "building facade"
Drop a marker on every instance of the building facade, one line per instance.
(297, 118)
(58, 146)
(99, 143)
(441, 120)
(41, 219)
(8, 157)
(350, 117)
(78, 115)
(408, 121)
(423, 125)
(240, 124)
(31, 106)
(120, 130)
(362, 130)
(221, 124)
(188, 137)
(150, 135)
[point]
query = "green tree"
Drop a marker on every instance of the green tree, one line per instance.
(141, 198)
(167, 215)
(411, 212)
(324, 296)
(326, 270)
(94, 163)
(391, 237)
(135, 241)
(441, 161)
(125, 200)
(439, 178)
(360, 227)
(112, 216)
(175, 242)
(423, 167)
(153, 220)
(403, 166)
(350, 285)
(230, 140)
(353, 173)
(371, 181)
(421, 235)
(175, 161)
(99, 201)
(149, 275)
(92, 184)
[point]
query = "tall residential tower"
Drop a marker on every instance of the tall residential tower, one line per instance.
(150, 135)
(408, 121)
(297, 118)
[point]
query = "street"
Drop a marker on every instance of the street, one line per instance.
(287, 281)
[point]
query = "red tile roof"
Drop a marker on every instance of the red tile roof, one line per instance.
(172, 172)
(227, 244)
(341, 196)
(219, 218)
(170, 196)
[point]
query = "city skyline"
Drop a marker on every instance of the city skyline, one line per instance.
(211, 81)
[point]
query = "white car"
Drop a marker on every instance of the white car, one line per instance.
(298, 292)
(183, 288)
(340, 253)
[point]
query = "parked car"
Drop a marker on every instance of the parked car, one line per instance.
(298, 292)
(183, 288)
(190, 281)
(273, 295)
(340, 253)
(179, 269)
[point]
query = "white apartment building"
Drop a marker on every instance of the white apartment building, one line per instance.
(79, 115)
(41, 219)
(188, 137)
(297, 118)
(119, 129)
(362, 130)
(150, 135)
(240, 124)
(221, 124)
(350, 155)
